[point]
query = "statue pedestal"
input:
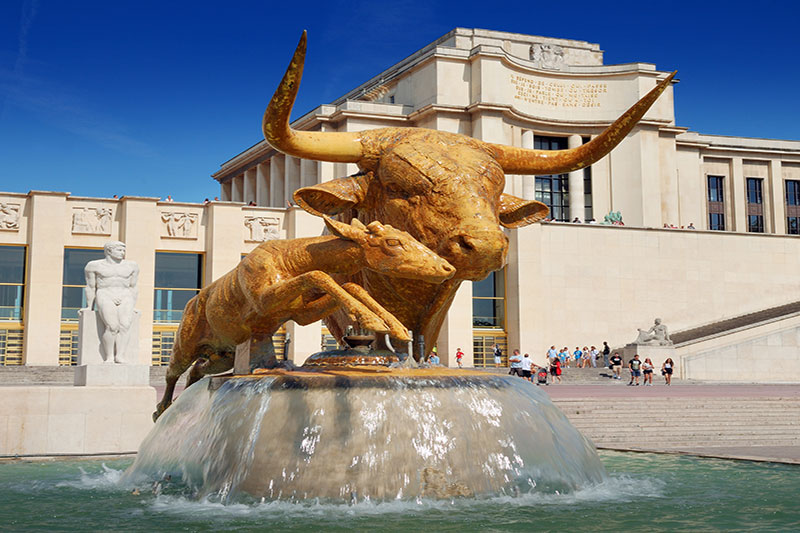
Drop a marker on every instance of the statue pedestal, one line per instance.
(253, 354)
(657, 354)
(112, 375)
(90, 330)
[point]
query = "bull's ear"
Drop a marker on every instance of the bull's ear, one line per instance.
(516, 212)
(333, 197)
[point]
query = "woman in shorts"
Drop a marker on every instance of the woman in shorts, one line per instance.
(647, 370)
(555, 370)
(666, 370)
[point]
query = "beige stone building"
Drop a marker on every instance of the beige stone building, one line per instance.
(727, 289)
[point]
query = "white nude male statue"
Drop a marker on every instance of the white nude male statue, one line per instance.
(111, 283)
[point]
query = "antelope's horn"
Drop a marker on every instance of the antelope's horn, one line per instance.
(320, 146)
(526, 161)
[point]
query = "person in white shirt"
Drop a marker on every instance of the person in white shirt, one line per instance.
(526, 367)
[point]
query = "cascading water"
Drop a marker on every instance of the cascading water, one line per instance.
(348, 435)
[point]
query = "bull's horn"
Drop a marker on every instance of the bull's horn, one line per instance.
(321, 146)
(526, 161)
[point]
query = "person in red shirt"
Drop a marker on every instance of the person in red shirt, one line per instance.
(459, 356)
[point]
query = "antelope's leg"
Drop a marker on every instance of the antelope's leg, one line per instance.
(316, 310)
(396, 329)
(277, 296)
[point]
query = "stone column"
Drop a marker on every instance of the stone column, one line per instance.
(456, 330)
(237, 185)
(249, 194)
(738, 196)
(576, 200)
(48, 224)
(224, 244)
(140, 229)
(225, 191)
(524, 292)
(528, 182)
(777, 197)
(292, 178)
(277, 181)
(262, 184)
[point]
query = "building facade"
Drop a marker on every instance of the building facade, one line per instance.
(565, 284)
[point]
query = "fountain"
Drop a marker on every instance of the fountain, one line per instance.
(365, 422)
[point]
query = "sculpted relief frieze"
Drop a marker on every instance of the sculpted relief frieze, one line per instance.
(557, 94)
(547, 56)
(179, 224)
(262, 228)
(92, 220)
(9, 216)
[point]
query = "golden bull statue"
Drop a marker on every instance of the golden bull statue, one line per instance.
(291, 280)
(445, 189)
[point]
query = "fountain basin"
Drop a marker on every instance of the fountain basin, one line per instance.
(369, 433)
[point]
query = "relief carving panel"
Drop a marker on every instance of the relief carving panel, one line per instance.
(9, 216)
(92, 220)
(179, 224)
(263, 228)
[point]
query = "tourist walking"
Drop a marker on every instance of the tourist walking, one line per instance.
(563, 356)
(647, 370)
(616, 365)
(459, 357)
(516, 364)
(526, 367)
(666, 370)
(585, 357)
(498, 356)
(577, 354)
(635, 366)
(606, 353)
(594, 355)
(552, 352)
(555, 370)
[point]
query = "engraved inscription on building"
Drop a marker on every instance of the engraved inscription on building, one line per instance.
(557, 93)
(179, 224)
(263, 228)
(92, 220)
(9, 216)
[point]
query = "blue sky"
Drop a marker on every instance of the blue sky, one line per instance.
(148, 98)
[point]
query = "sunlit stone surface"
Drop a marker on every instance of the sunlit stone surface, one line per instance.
(376, 435)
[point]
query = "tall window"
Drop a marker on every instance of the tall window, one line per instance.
(793, 207)
(755, 207)
(588, 212)
(72, 293)
(12, 282)
(488, 301)
(178, 278)
(553, 190)
(716, 203)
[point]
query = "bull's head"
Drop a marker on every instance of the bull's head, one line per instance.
(445, 189)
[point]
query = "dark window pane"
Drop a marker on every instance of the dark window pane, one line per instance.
(11, 302)
(715, 189)
(754, 190)
(793, 225)
(168, 304)
(755, 223)
(72, 299)
(75, 260)
(178, 271)
(716, 221)
(12, 264)
(792, 192)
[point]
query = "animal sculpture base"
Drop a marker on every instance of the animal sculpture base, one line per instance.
(366, 433)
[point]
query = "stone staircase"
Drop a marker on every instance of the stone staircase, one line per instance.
(674, 423)
(731, 324)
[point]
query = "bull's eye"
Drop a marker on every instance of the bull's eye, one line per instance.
(392, 242)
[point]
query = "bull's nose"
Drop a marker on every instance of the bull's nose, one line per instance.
(448, 269)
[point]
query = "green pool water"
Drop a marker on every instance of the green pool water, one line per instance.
(643, 492)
